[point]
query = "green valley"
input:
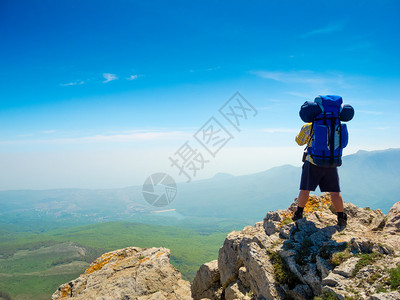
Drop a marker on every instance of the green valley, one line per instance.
(33, 264)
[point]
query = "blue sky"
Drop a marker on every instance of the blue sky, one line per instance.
(101, 93)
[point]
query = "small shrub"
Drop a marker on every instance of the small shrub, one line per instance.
(326, 251)
(339, 257)
(304, 251)
(381, 289)
(394, 277)
(286, 218)
(326, 295)
(365, 260)
(374, 277)
(287, 221)
(283, 275)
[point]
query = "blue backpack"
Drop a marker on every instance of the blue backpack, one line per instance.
(329, 136)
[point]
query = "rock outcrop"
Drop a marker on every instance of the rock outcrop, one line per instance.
(130, 273)
(309, 259)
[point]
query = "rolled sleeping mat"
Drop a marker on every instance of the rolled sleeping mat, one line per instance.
(347, 113)
(309, 110)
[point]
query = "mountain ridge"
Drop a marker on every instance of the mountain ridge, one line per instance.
(368, 178)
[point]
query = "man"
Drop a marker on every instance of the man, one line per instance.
(326, 178)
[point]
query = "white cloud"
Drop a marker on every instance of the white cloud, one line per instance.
(48, 131)
(280, 130)
(303, 76)
(102, 138)
(73, 83)
(109, 77)
(370, 112)
(324, 30)
(205, 69)
(300, 95)
(320, 83)
(132, 77)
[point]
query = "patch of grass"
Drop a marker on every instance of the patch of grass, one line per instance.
(394, 277)
(34, 287)
(249, 294)
(374, 277)
(287, 221)
(326, 251)
(286, 218)
(381, 289)
(4, 296)
(340, 257)
(352, 290)
(283, 275)
(326, 295)
(8, 249)
(365, 260)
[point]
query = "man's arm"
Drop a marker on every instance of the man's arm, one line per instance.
(304, 135)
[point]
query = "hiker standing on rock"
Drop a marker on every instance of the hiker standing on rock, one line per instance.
(325, 138)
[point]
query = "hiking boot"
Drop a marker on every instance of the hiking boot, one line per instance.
(342, 222)
(297, 216)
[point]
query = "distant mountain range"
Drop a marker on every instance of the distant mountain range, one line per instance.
(367, 179)
(371, 178)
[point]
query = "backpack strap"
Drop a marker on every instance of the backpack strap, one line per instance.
(332, 142)
(310, 134)
(340, 141)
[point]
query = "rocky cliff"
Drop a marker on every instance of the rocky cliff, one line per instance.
(274, 259)
(309, 259)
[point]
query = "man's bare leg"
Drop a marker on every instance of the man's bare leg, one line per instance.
(337, 201)
(303, 198)
(301, 203)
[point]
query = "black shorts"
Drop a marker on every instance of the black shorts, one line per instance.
(326, 178)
